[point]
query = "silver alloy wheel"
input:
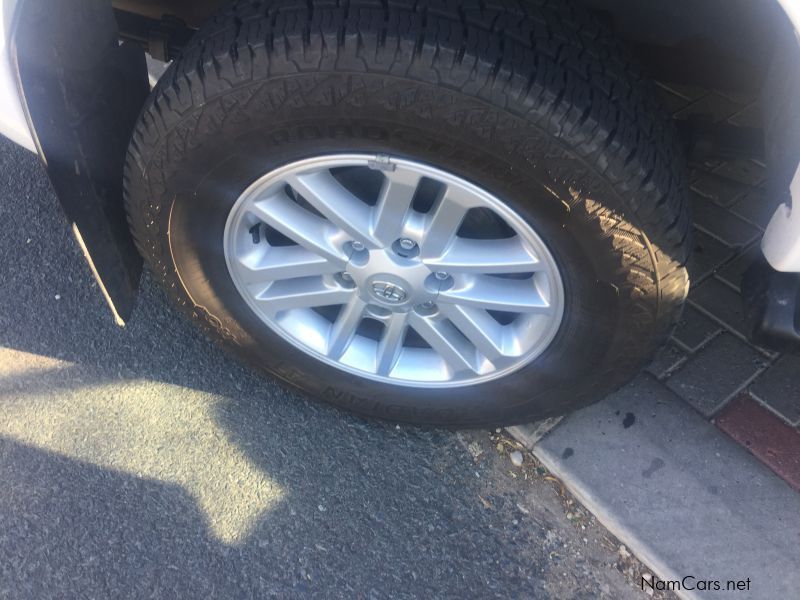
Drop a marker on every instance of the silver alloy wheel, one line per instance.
(367, 263)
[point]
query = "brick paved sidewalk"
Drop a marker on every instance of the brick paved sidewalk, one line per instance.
(662, 461)
(750, 393)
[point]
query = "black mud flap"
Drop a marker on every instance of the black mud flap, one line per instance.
(83, 92)
(772, 307)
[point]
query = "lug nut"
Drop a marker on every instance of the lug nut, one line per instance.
(345, 279)
(439, 281)
(357, 246)
(425, 309)
(406, 247)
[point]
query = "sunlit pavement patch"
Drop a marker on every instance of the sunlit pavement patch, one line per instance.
(16, 365)
(147, 429)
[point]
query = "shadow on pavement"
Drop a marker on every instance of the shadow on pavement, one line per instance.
(143, 461)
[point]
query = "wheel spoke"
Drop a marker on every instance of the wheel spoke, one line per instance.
(465, 309)
(344, 328)
(299, 225)
(447, 342)
(393, 204)
(485, 256)
(322, 191)
(496, 293)
(284, 262)
(444, 220)
(478, 327)
(391, 343)
(305, 292)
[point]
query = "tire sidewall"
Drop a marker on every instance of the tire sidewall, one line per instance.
(205, 184)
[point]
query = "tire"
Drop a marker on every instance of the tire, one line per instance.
(533, 101)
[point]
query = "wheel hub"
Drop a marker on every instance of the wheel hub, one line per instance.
(392, 281)
(322, 247)
(388, 292)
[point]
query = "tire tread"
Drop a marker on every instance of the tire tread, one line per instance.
(544, 60)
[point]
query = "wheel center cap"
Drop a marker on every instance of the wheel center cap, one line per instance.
(389, 292)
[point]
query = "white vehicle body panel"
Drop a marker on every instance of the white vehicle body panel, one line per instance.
(781, 241)
(780, 245)
(13, 123)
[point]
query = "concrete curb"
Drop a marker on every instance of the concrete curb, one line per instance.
(528, 435)
(683, 496)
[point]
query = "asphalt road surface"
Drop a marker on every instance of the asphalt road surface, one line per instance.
(142, 462)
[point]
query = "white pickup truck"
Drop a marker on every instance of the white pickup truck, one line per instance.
(459, 213)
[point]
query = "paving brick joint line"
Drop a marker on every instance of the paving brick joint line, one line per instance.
(709, 362)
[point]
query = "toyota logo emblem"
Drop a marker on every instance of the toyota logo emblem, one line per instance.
(389, 292)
